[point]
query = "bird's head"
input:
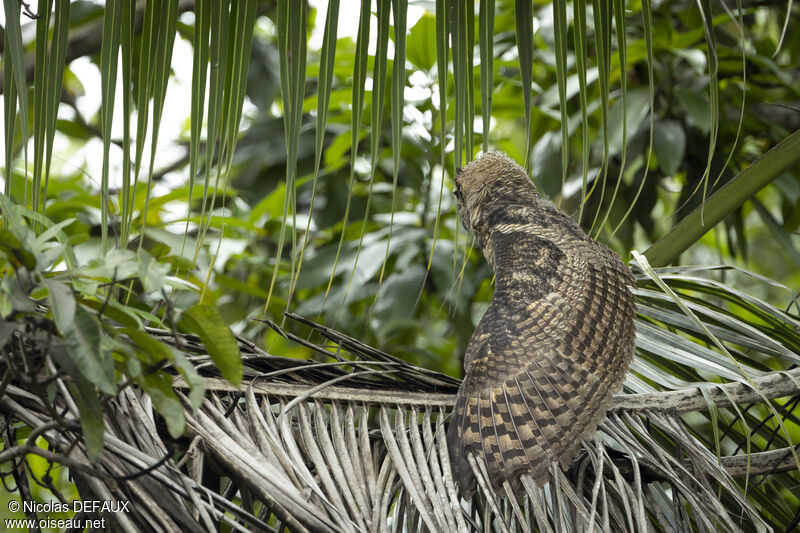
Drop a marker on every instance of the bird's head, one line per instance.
(491, 182)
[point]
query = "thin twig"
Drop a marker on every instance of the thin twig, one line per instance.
(26, 8)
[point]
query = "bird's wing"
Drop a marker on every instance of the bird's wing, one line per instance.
(541, 373)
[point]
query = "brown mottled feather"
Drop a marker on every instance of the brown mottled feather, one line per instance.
(554, 344)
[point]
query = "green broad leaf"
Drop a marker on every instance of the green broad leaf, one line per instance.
(91, 415)
(84, 395)
(159, 387)
(86, 352)
(117, 264)
(73, 129)
(337, 300)
(154, 247)
(316, 269)
(206, 322)
(637, 105)
(133, 365)
(251, 287)
(195, 381)
(695, 104)
(546, 163)
(113, 310)
(694, 57)
(421, 43)
(50, 233)
(13, 297)
(15, 216)
(62, 304)
(180, 263)
(12, 247)
(157, 350)
(398, 294)
(151, 273)
(669, 144)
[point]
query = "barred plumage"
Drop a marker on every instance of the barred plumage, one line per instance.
(554, 344)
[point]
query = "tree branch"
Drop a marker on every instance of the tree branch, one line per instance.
(769, 462)
(774, 385)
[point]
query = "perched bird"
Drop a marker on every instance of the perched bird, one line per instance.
(554, 344)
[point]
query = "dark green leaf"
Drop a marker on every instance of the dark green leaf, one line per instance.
(157, 350)
(19, 256)
(151, 273)
(695, 105)
(90, 414)
(421, 50)
(62, 304)
(398, 294)
(159, 387)
(206, 322)
(87, 353)
(669, 144)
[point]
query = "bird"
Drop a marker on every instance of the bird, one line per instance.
(554, 344)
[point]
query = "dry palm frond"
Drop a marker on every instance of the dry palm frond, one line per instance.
(354, 440)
